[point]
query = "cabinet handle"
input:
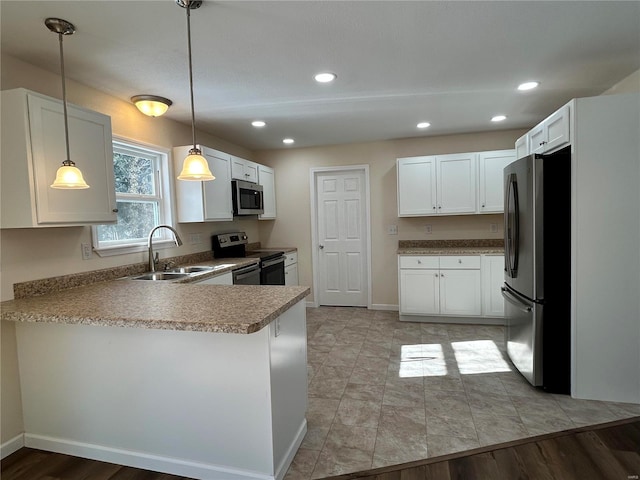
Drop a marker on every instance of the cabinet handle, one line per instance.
(115, 210)
(442, 274)
(434, 207)
(439, 206)
(542, 143)
(459, 260)
(483, 205)
(419, 262)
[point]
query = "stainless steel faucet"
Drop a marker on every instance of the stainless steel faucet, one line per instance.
(152, 261)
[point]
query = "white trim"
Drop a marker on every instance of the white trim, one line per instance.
(156, 463)
(314, 220)
(452, 319)
(12, 445)
(291, 451)
(385, 306)
(310, 304)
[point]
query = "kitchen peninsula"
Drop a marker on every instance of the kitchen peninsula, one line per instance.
(204, 381)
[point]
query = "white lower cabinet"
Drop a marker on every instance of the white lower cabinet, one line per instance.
(455, 286)
(223, 279)
(291, 269)
(492, 280)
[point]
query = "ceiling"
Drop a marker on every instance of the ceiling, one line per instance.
(453, 64)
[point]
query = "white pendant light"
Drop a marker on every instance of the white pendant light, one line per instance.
(68, 176)
(195, 166)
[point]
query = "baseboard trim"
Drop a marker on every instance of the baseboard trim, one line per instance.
(12, 445)
(384, 306)
(157, 463)
(292, 450)
(459, 320)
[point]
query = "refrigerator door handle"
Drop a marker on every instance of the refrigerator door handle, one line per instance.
(515, 301)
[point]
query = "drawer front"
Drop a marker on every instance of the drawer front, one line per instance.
(461, 262)
(419, 261)
(291, 258)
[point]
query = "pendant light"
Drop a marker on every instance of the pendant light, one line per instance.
(195, 166)
(68, 175)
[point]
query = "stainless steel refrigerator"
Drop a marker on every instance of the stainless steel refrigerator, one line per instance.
(537, 288)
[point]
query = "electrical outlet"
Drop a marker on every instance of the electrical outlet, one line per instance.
(428, 229)
(195, 238)
(392, 229)
(87, 251)
(493, 227)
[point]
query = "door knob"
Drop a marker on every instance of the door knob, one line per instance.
(321, 246)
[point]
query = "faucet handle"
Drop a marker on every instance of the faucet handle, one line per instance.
(169, 265)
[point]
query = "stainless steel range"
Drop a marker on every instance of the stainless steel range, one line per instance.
(233, 245)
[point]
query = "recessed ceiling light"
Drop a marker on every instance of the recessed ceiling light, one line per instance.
(528, 86)
(499, 118)
(258, 123)
(288, 141)
(423, 125)
(325, 77)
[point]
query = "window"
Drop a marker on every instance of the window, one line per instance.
(142, 199)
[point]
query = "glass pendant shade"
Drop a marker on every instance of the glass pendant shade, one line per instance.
(69, 177)
(152, 105)
(195, 167)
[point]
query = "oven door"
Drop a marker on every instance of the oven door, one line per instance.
(247, 276)
(273, 271)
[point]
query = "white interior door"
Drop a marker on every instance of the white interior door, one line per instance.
(342, 238)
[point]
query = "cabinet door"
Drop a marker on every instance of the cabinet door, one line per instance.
(456, 185)
(242, 169)
(90, 147)
(419, 292)
(266, 178)
(251, 171)
(291, 275)
(557, 129)
(460, 292)
(416, 186)
(492, 280)
(537, 139)
(237, 168)
(217, 193)
(491, 166)
(522, 146)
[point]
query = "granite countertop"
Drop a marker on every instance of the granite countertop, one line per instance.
(451, 247)
(160, 305)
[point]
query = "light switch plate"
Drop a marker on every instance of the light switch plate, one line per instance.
(493, 227)
(392, 229)
(427, 228)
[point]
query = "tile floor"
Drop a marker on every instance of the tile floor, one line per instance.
(383, 392)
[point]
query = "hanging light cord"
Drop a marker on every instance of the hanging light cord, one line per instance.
(68, 161)
(193, 117)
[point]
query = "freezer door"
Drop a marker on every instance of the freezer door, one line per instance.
(523, 334)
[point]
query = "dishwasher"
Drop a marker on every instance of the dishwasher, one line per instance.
(247, 275)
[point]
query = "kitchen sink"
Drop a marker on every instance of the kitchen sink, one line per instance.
(192, 269)
(161, 276)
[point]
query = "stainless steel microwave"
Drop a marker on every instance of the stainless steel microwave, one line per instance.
(247, 198)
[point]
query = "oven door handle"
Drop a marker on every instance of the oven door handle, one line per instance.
(270, 263)
(246, 272)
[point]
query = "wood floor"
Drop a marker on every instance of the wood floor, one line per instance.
(602, 452)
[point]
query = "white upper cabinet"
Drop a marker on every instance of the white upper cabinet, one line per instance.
(242, 169)
(33, 148)
(551, 134)
(204, 201)
(456, 183)
(522, 146)
(266, 178)
(416, 186)
(490, 175)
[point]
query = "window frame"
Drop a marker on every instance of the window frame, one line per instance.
(163, 196)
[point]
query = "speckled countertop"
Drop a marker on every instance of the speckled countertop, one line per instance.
(451, 247)
(160, 305)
